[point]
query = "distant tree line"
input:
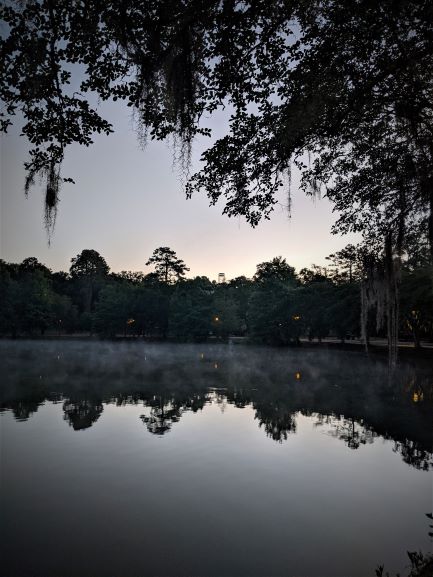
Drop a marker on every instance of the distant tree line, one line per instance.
(277, 306)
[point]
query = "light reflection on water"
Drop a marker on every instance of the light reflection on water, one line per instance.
(144, 460)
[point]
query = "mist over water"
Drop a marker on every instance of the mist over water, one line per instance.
(156, 459)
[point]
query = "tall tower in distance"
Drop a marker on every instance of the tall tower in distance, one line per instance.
(221, 277)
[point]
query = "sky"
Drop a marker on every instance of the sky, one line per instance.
(127, 201)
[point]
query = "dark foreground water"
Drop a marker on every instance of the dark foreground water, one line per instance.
(135, 459)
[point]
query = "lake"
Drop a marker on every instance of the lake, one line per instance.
(132, 459)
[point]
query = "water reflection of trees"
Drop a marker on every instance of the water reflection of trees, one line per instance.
(353, 400)
(164, 410)
(82, 413)
(413, 454)
(353, 433)
(277, 424)
(22, 409)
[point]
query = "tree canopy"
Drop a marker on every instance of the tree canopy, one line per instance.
(349, 85)
(89, 263)
(276, 269)
(167, 266)
(88, 269)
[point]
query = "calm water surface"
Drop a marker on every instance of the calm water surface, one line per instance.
(193, 460)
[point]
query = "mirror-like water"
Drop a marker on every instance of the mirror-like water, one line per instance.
(194, 460)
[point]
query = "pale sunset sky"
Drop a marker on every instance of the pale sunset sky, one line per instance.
(128, 201)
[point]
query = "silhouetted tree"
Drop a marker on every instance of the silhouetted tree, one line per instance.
(345, 264)
(225, 318)
(343, 311)
(313, 274)
(8, 296)
(191, 309)
(276, 269)
(355, 93)
(273, 314)
(416, 302)
(313, 304)
(61, 282)
(89, 269)
(167, 266)
(240, 289)
(65, 314)
(115, 310)
(32, 264)
(130, 276)
(33, 302)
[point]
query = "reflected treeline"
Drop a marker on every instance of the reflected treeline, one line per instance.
(166, 410)
(353, 433)
(351, 397)
(82, 413)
